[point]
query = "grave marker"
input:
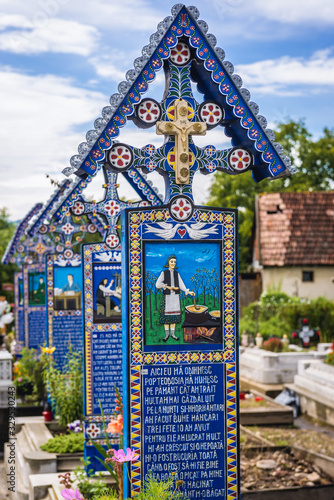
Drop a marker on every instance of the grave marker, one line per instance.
(64, 283)
(165, 336)
(19, 310)
(102, 310)
(181, 387)
(34, 286)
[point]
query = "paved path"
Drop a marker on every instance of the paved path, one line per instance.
(4, 495)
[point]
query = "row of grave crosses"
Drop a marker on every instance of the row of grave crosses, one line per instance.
(111, 206)
(35, 237)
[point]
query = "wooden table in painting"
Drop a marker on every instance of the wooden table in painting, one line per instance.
(68, 300)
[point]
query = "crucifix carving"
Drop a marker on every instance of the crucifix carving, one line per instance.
(181, 128)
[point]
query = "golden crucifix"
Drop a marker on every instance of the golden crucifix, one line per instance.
(181, 128)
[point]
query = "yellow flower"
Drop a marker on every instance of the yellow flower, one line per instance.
(48, 350)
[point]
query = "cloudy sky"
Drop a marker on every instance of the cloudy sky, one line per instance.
(62, 59)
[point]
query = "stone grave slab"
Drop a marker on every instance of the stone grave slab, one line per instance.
(314, 384)
(269, 368)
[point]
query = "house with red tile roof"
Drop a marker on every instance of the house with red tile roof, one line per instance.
(294, 243)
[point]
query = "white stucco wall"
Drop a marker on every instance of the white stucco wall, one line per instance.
(289, 280)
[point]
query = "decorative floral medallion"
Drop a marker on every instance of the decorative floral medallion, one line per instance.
(112, 207)
(239, 159)
(68, 254)
(180, 55)
(211, 113)
(67, 228)
(93, 431)
(181, 208)
(148, 112)
(120, 157)
(78, 208)
(112, 240)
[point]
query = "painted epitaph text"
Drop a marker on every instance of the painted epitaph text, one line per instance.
(183, 432)
(103, 340)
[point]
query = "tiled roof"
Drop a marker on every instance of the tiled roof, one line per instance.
(296, 229)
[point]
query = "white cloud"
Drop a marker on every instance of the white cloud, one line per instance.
(111, 66)
(21, 36)
(39, 129)
(280, 11)
(296, 11)
(133, 15)
(118, 16)
(282, 76)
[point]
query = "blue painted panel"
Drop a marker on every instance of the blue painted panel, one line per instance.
(183, 426)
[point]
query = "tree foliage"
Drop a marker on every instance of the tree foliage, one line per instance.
(314, 161)
(7, 229)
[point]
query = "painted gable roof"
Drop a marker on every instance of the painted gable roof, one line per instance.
(19, 232)
(296, 229)
(216, 81)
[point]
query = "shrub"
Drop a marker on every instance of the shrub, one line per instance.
(273, 345)
(65, 387)
(65, 443)
(330, 356)
(27, 375)
(276, 313)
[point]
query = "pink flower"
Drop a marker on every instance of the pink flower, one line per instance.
(71, 494)
(121, 457)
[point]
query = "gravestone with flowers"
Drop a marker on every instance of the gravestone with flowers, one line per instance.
(179, 260)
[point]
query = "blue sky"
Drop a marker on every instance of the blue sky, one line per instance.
(60, 60)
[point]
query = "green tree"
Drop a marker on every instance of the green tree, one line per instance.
(314, 161)
(7, 229)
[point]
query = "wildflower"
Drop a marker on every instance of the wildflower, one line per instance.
(70, 494)
(116, 425)
(74, 426)
(48, 350)
(119, 455)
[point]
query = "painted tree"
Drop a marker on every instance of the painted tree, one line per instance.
(150, 280)
(195, 280)
(214, 285)
(204, 278)
(7, 229)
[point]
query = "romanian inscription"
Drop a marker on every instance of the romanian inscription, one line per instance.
(183, 431)
(66, 330)
(106, 369)
(20, 326)
(36, 328)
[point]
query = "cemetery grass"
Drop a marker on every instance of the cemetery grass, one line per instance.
(154, 335)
